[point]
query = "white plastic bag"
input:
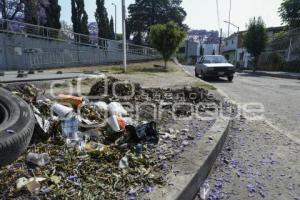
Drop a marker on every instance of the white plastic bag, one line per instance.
(113, 123)
(116, 108)
(101, 105)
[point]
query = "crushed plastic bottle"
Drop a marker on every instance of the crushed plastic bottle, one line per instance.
(38, 159)
(204, 191)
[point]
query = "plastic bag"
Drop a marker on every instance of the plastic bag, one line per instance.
(147, 132)
(116, 108)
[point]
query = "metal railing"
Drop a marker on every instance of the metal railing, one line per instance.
(42, 32)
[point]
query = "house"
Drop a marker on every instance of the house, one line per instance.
(189, 50)
(234, 50)
(210, 49)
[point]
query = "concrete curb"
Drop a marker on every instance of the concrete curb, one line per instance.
(288, 76)
(195, 163)
(36, 80)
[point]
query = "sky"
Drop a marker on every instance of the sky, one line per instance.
(201, 14)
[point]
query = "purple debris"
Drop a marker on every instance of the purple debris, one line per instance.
(238, 174)
(45, 190)
(148, 189)
(251, 188)
(234, 163)
(72, 178)
(262, 194)
(214, 195)
(219, 184)
(75, 180)
(132, 196)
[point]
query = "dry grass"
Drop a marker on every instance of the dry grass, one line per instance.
(142, 67)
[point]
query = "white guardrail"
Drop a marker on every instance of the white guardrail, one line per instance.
(35, 31)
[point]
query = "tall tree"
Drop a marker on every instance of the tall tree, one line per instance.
(145, 13)
(52, 11)
(79, 19)
(166, 39)
(256, 38)
(11, 9)
(290, 12)
(102, 20)
(30, 12)
(111, 29)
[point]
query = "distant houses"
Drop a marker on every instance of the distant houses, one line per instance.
(232, 47)
(234, 50)
(190, 48)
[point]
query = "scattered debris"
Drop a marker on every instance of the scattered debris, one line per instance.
(38, 159)
(123, 164)
(123, 157)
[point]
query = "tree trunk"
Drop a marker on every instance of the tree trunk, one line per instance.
(255, 63)
(166, 64)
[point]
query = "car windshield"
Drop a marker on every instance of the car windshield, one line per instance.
(214, 59)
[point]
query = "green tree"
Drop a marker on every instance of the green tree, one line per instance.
(102, 22)
(80, 20)
(111, 29)
(256, 38)
(166, 38)
(145, 13)
(290, 12)
(30, 12)
(52, 10)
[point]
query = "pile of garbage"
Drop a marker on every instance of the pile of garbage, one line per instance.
(95, 148)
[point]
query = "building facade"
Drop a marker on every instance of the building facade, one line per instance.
(234, 50)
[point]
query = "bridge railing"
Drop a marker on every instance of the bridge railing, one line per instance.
(42, 32)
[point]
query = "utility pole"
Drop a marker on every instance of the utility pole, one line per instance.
(115, 20)
(229, 18)
(124, 35)
(237, 43)
(220, 44)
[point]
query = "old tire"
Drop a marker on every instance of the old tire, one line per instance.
(230, 78)
(16, 127)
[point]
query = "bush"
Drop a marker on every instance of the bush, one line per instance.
(166, 38)
(291, 66)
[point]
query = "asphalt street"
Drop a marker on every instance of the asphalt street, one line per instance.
(280, 98)
(260, 159)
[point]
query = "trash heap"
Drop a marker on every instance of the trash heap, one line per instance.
(93, 148)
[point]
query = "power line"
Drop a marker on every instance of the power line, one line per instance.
(218, 14)
(229, 18)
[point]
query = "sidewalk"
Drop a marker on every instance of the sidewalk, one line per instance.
(276, 74)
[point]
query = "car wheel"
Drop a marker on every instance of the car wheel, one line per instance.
(16, 127)
(230, 78)
(203, 76)
(196, 74)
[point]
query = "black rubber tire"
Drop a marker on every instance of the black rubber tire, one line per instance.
(203, 77)
(16, 127)
(230, 78)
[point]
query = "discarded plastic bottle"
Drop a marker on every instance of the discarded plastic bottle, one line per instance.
(139, 148)
(38, 159)
(204, 191)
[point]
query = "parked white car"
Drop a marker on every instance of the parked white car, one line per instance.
(214, 66)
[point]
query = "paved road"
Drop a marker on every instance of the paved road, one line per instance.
(260, 159)
(280, 97)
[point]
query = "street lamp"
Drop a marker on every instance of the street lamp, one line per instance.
(124, 35)
(237, 44)
(115, 20)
